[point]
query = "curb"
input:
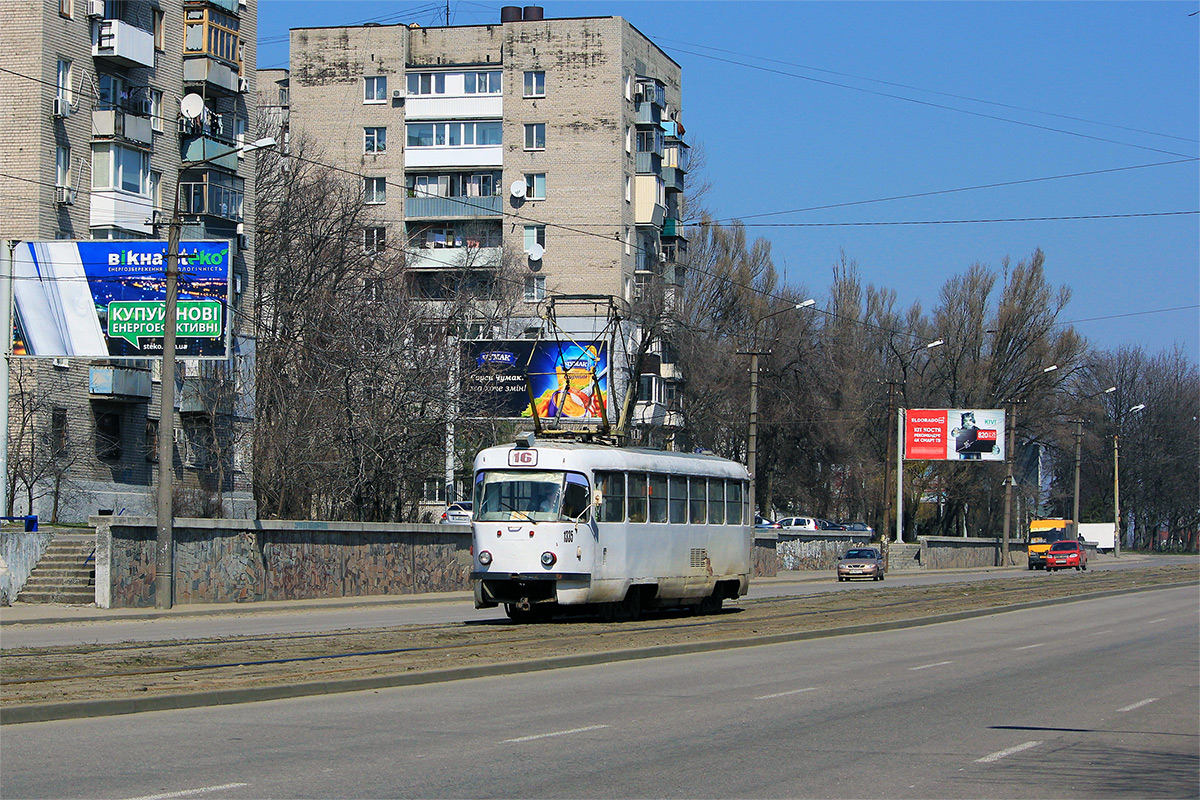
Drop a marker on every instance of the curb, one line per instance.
(47, 712)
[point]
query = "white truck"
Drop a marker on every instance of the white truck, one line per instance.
(1100, 534)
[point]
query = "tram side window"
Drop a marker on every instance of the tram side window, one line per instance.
(697, 513)
(733, 502)
(576, 498)
(637, 497)
(716, 509)
(612, 496)
(658, 498)
(678, 512)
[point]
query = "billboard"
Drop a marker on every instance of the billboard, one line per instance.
(501, 374)
(954, 434)
(105, 298)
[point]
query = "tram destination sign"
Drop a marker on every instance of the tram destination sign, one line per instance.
(106, 298)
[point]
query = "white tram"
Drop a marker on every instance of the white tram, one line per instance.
(607, 528)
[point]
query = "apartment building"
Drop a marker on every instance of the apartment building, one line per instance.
(95, 147)
(546, 151)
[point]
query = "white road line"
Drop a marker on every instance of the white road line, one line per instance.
(927, 666)
(1031, 646)
(556, 733)
(785, 694)
(1100, 633)
(988, 759)
(1154, 621)
(189, 792)
(1138, 704)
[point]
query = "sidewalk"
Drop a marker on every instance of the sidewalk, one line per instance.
(57, 613)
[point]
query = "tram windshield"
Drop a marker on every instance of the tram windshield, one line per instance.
(535, 495)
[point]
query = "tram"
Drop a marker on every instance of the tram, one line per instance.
(563, 525)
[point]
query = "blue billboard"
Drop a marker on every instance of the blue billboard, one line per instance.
(565, 380)
(106, 298)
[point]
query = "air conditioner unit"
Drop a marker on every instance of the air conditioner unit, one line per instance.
(62, 107)
(243, 84)
(397, 94)
(95, 8)
(64, 195)
(243, 241)
(61, 363)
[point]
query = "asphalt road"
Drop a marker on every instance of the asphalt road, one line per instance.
(318, 616)
(1089, 699)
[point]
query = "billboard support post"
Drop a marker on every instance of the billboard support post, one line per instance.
(899, 476)
(1008, 485)
(164, 545)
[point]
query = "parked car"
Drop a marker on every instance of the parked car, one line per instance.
(860, 562)
(1066, 554)
(827, 525)
(799, 524)
(762, 523)
(457, 513)
(858, 526)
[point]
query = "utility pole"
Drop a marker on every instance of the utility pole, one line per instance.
(1075, 504)
(1116, 499)
(1011, 422)
(164, 546)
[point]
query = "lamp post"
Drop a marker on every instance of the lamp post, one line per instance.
(752, 437)
(164, 546)
(887, 466)
(1011, 423)
(1078, 440)
(1117, 483)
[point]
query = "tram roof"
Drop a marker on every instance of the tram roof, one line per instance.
(601, 456)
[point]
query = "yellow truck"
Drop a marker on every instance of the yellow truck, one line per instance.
(1042, 534)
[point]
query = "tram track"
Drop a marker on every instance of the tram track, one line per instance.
(57, 674)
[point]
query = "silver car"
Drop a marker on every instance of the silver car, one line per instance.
(860, 562)
(458, 513)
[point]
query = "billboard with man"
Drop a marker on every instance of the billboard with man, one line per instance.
(106, 298)
(954, 434)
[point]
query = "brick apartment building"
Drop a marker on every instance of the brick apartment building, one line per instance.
(94, 144)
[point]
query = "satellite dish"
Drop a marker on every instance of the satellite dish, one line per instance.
(191, 106)
(518, 189)
(535, 252)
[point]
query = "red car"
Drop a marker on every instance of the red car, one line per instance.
(1062, 555)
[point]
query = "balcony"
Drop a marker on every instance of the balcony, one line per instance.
(454, 258)
(479, 155)
(113, 123)
(648, 113)
(453, 207)
(201, 394)
(673, 178)
(648, 164)
(473, 106)
(211, 199)
(116, 208)
(122, 43)
(212, 73)
(202, 148)
(673, 228)
(122, 384)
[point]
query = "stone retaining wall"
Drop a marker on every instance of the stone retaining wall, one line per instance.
(19, 554)
(815, 551)
(954, 552)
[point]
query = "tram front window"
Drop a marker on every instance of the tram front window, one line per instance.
(531, 495)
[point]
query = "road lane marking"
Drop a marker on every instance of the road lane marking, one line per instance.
(556, 733)
(927, 666)
(1138, 704)
(189, 792)
(785, 694)
(999, 754)
(1100, 633)
(1155, 621)
(1031, 646)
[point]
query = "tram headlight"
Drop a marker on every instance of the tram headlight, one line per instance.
(548, 559)
(485, 557)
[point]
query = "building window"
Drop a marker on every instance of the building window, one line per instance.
(374, 140)
(66, 8)
(63, 84)
(535, 84)
(628, 139)
(62, 166)
(535, 136)
(535, 288)
(213, 33)
(375, 89)
(108, 435)
(535, 185)
(160, 36)
(58, 432)
(420, 83)
(118, 167)
(433, 490)
(650, 142)
(535, 234)
(452, 134)
(481, 83)
(628, 189)
(375, 190)
(155, 191)
(374, 239)
(156, 110)
(459, 184)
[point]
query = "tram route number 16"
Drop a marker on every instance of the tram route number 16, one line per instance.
(522, 458)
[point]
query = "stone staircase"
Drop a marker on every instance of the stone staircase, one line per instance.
(903, 557)
(66, 572)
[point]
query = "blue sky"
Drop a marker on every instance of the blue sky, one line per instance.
(799, 105)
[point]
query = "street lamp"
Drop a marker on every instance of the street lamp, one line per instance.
(164, 547)
(1078, 440)
(752, 438)
(1011, 422)
(1117, 483)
